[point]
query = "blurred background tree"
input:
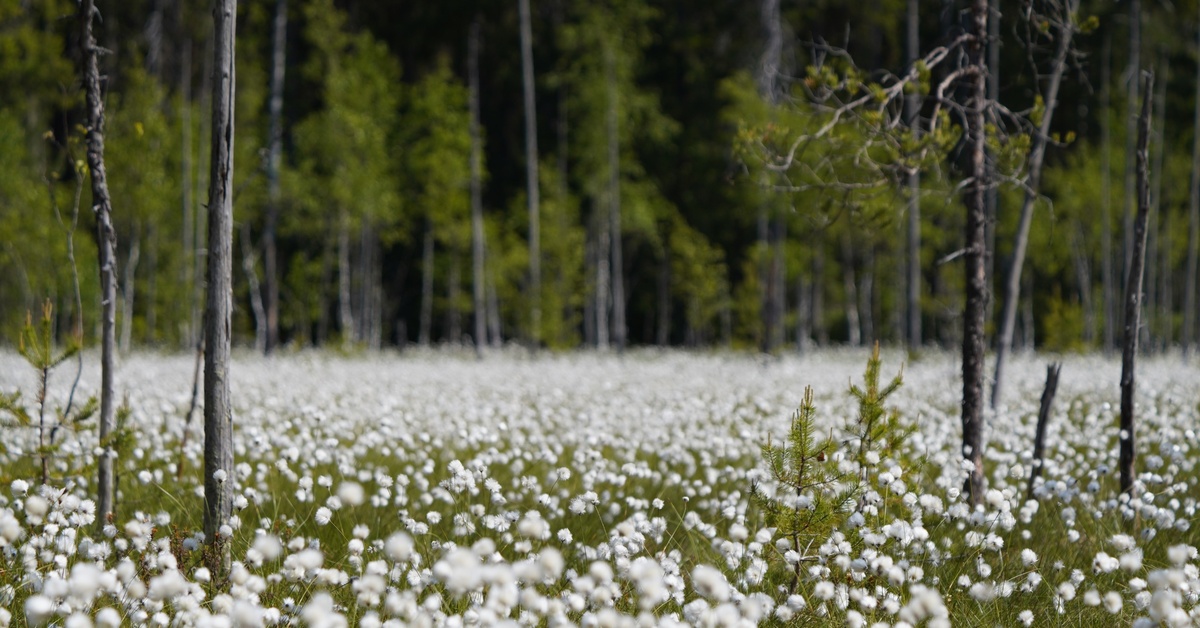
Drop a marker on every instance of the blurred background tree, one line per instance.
(651, 229)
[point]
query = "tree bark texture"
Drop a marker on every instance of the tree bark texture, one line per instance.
(477, 277)
(274, 154)
(1133, 293)
(531, 175)
(106, 238)
(218, 406)
(975, 257)
(1037, 154)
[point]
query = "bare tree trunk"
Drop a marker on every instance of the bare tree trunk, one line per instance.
(345, 309)
(106, 238)
(614, 200)
(453, 315)
(1037, 154)
(603, 252)
(274, 154)
(219, 474)
(186, 272)
(803, 313)
(477, 278)
(976, 244)
(1193, 247)
(151, 335)
(426, 288)
(531, 176)
(992, 194)
(255, 292)
(1133, 293)
(849, 287)
(912, 109)
(130, 284)
(1039, 441)
(1107, 272)
(1131, 98)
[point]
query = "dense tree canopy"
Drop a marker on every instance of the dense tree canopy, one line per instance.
(646, 108)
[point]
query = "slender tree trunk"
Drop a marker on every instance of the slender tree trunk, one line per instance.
(1083, 275)
(976, 256)
(1107, 272)
(186, 272)
(423, 334)
(1012, 286)
(850, 290)
(603, 252)
(591, 269)
(477, 278)
(106, 238)
(912, 110)
(614, 200)
(151, 335)
(219, 474)
(1133, 294)
(274, 153)
(130, 285)
(453, 314)
(494, 330)
(820, 329)
(1039, 442)
(256, 298)
(1193, 246)
(1131, 98)
(1161, 231)
(992, 194)
(803, 313)
(531, 176)
(345, 308)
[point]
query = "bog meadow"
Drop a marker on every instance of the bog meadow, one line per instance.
(605, 313)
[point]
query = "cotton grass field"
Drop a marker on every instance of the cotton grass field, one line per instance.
(431, 489)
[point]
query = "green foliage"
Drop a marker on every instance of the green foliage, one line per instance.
(877, 429)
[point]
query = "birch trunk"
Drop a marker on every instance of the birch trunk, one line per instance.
(218, 407)
(1133, 295)
(106, 238)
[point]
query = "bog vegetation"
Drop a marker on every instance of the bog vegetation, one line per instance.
(661, 488)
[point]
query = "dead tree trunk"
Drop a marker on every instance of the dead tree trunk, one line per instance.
(106, 238)
(274, 154)
(1193, 250)
(1039, 441)
(1133, 292)
(1012, 286)
(531, 176)
(218, 407)
(976, 255)
(477, 278)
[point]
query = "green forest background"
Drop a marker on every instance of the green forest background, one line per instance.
(367, 204)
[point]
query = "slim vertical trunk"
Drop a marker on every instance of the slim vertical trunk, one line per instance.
(992, 194)
(614, 200)
(912, 109)
(1107, 272)
(1037, 154)
(1161, 251)
(590, 336)
(603, 251)
(494, 330)
(151, 335)
(818, 295)
(1133, 294)
(453, 315)
(976, 245)
(531, 176)
(1193, 246)
(850, 288)
(130, 284)
(255, 291)
(219, 475)
(769, 87)
(1131, 97)
(106, 238)
(345, 309)
(477, 279)
(186, 273)
(1083, 276)
(274, 154)
(426, 288)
